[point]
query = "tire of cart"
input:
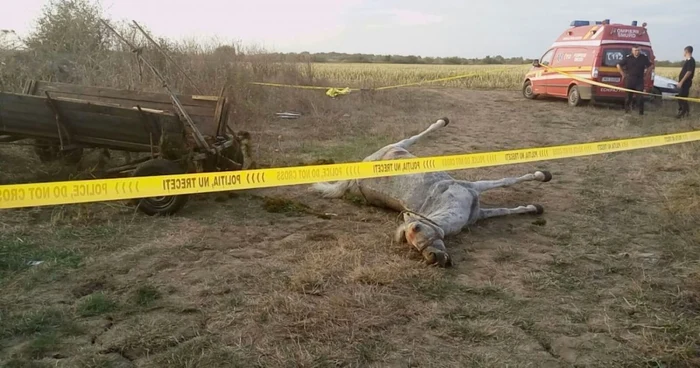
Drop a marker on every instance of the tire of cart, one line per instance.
(48, 152)
(164, 205)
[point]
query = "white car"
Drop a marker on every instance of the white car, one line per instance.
(663, 86)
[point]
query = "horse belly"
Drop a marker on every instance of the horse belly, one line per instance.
(403, 192)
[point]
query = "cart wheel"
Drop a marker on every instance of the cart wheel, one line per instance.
(48, 152)
(72, 156)
(165, 205)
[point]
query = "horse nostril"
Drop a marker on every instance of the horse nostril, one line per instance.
(448, 261)
(443, 259)
(431, 258)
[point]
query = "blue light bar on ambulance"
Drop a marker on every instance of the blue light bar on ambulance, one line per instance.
(634, 23)
(580, 23)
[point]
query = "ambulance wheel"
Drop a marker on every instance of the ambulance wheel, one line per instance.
(527, 91)
(574, 97)
(163, 205)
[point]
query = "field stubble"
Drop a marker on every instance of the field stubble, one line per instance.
(478, 76)
(608, 276)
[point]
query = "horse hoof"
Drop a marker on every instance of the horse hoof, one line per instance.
(539, 209)
(547, 176)
(446, 120)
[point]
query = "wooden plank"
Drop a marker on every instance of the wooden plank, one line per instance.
(116, 119)
(31, 112)
(29, 116)
(10, 138)
(219, 111)
(120, 94)
(27, 130)
(10, 99)
(205, 98)
(225, 119)
(130, 104)
(92, 123)
(42, 122)
(200, 115)
(115, 144)
(30, 133)
(19, 123)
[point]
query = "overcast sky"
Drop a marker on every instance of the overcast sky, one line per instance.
(418, 27)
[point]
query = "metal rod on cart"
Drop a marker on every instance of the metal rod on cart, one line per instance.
(197, 135)
(54, 108)
(148, 37)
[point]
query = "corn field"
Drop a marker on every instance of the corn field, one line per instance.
(363, 75)
(378, 75)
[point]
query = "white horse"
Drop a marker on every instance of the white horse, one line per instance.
(434, 205)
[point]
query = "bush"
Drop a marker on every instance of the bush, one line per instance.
(70, 44)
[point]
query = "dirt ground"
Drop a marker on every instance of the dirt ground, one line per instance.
(608, 276)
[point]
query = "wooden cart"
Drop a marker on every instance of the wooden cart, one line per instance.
(180, 133)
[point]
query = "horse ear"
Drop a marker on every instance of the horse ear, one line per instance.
(408, 218)
(400, 235)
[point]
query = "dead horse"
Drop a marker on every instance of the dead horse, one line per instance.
(434, 205)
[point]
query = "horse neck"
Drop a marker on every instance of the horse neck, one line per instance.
(451, 216)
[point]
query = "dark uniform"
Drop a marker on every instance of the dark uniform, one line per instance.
(634, 70)
(688, 66)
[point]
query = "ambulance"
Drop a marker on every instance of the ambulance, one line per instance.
(589, 50)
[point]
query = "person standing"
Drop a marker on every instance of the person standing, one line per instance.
(633, 68)
(685, 81)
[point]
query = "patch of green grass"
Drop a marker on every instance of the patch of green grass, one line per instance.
(96, 304)
(438, 289)
(34, 322)
(41, 333)
(354, 149)
(283, 205)
(17, 254)
(21, 363)
(42, 345)
(441, 289)
(146, 295)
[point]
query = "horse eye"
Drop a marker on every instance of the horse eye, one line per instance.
(417, 228)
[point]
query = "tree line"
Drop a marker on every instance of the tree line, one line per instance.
(339, 57)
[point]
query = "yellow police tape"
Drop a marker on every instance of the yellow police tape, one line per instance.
(330, 91)
(605, 85)
(334, 92)
(433, 81)
(69, 192)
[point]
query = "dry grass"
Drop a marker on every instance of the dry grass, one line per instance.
(280, 278)
(607, 277)
(490, 77)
